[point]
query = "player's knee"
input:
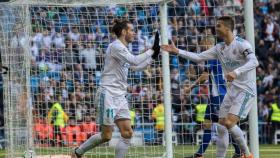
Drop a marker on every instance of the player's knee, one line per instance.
(229, 123)
(127, 134)
(222, 122)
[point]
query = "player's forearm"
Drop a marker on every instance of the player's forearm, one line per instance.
(189, 55)
(139, 59)
(143, 65)
(196, 57)
(252, 63)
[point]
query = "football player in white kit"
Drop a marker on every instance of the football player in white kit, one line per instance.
(238, 62)
(110, 97)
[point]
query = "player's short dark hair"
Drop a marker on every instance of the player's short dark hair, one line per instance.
(227, 21)
(120, 25)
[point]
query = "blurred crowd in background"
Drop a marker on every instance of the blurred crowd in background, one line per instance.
(68, 47)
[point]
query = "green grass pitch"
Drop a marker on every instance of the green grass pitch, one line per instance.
(180, 151)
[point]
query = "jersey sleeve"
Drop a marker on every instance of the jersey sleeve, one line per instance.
(245, 48)
(251, 63)
(143, 65)
(198, 57)
(123, 54)
(251, 60)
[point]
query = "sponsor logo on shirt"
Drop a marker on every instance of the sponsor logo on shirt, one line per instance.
(230, 63)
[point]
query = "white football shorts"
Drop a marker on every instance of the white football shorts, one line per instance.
(110, 108)
(236, 101)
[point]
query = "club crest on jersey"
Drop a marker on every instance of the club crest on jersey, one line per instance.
(222, 49)
(126, 65)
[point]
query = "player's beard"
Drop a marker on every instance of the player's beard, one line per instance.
(219, 35)
(129, 39)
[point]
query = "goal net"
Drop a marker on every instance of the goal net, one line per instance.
(55, 52)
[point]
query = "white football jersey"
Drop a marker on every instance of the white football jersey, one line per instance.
(238, 56)
(118, 60)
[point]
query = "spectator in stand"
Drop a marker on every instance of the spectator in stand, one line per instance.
(158, 117)
(269, 27)
(69, 55)
(58, 40)
(89, 126)
(175, 90)
(88, 57)
(184, 131)
(74, 34)
(73, 134)
(43, 131)
(46, 39)
(274, 118)
(261, 50)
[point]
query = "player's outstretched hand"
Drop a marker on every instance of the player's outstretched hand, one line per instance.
(170, 48)
(156, 46)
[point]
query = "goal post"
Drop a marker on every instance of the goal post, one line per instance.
(15, 55)
(166, 82)
(84, 2)
(253, 117)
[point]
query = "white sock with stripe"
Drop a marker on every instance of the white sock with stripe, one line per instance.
(122, 147)
(222, 141)
(92, 142)
(238, 136)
